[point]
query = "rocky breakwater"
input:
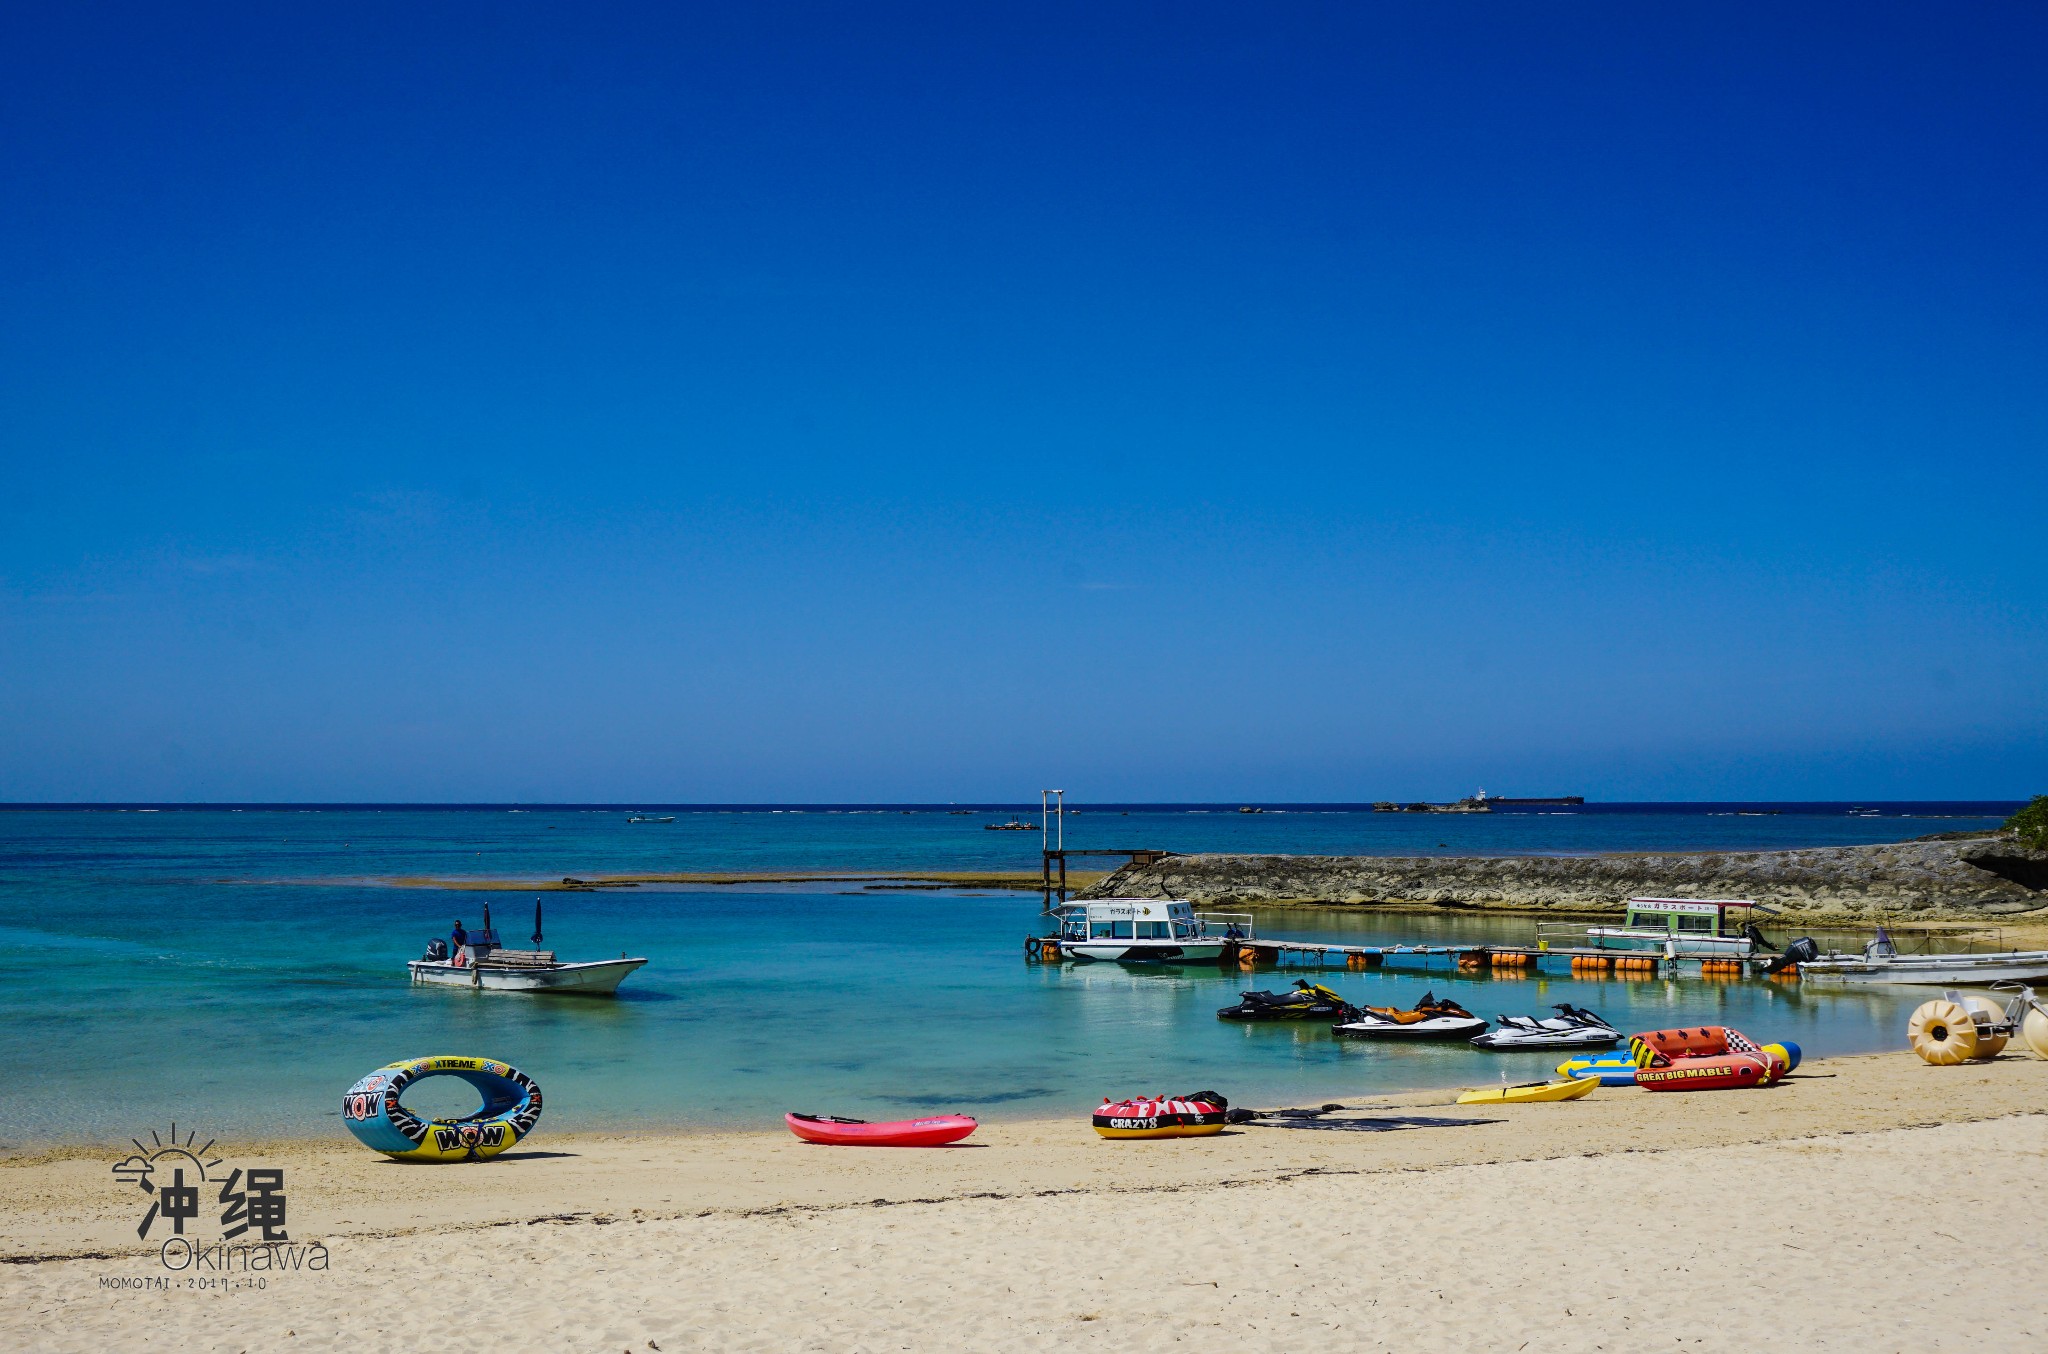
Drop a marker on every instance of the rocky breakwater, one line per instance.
(1986, 877)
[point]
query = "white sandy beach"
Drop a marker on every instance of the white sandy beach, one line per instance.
(1866, 1203)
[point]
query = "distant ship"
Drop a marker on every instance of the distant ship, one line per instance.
(1479, 803)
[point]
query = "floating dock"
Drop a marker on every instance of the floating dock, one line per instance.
(1541, 959)
(1508, 960)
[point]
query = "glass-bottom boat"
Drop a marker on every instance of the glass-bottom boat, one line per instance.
(1147, 930)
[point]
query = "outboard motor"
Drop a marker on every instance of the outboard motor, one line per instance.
(1798, 952)
(437, 951)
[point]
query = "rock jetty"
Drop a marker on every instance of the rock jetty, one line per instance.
(1977, 878)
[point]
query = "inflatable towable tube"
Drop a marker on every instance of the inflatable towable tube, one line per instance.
(511, 1107)
(1707, 1058)
(1195, 1115)
(1609, 1069)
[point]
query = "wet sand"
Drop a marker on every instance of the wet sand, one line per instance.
(1863, 1203)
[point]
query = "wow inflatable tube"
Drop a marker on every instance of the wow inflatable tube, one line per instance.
(511, 1107)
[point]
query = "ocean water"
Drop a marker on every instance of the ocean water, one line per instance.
(235, 970)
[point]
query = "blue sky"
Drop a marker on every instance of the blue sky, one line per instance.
(873, 402)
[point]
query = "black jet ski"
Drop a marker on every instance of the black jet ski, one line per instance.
(1307, 1001)
(1428, 1019)
(1571, 1027)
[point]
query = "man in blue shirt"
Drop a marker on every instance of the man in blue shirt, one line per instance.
(458, 937)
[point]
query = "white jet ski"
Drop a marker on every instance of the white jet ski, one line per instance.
(1571, 1027)
(1429, 1019)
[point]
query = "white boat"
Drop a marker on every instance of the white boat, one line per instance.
(512, 971)
(1680, 928)
(1881, 962)
(1429, 1019)
(483, 964)
(1147, 930)
(1571, 1027)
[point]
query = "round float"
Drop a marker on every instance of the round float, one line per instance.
(1943, 1033)
(2034, 1031)
(1988, 1014)
(372, 1111)
(1788, 1053)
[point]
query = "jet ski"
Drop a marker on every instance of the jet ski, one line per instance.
(1307, 1001)
(1571, 1027)
(1430, 1019)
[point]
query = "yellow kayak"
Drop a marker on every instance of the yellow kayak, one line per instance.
(1568, 1089)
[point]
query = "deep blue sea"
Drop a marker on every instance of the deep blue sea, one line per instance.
(236, 968)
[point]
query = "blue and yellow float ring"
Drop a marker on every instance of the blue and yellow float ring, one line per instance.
(372, 1111)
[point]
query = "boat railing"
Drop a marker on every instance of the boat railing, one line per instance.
(1565, 935)
(1225, 925)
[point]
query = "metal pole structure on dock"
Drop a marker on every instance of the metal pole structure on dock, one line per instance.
(1052, 839)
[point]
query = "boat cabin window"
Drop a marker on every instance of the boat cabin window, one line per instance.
(1154, 930)
(1702, 924)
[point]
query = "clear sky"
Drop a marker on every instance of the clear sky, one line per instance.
(691, 402)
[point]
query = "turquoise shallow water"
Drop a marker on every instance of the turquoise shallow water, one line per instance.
(227, 970)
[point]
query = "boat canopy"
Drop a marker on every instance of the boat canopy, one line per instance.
(1706, 916)
(1129, 919)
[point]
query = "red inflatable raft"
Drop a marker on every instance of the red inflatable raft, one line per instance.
(1196, 1115)
(935, 1132)
(1708, 1058)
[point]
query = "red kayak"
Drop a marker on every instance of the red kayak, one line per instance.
(838, 1132)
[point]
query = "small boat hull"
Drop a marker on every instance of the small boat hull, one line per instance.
(1142, 951)
(934, 1132)
(1505, 1041)
(1930, 970)
(1279, 1011)
(599, 979)
(1436, 1027)
(1677, 944)
(1571, 1088)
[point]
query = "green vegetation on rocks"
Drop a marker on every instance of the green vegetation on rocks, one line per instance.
(2030, 824)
